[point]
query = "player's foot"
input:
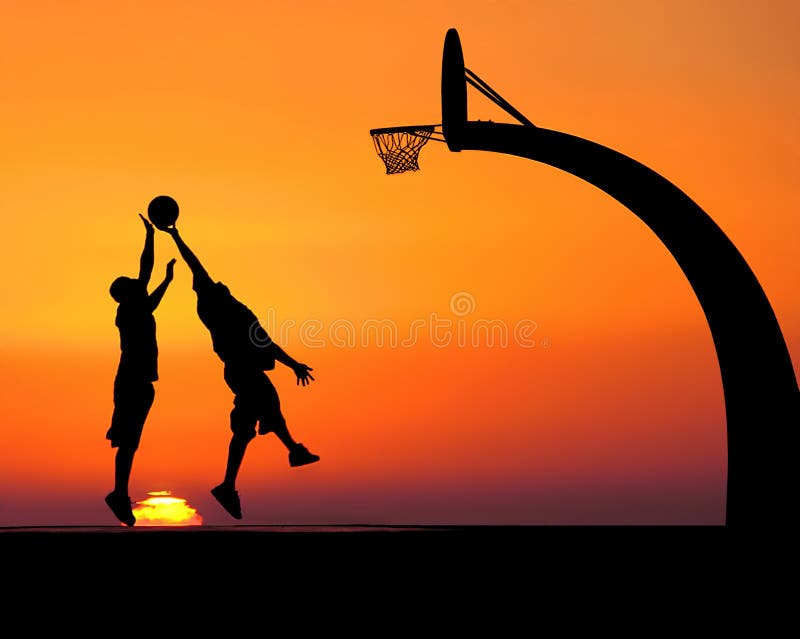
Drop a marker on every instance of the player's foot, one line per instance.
(120, 505)
(229, 499)
(299, 456)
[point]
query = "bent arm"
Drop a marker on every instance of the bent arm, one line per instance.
(158, 293)
(304, 377)
(154, 299)
(282, 357)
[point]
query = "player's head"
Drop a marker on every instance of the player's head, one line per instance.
(127, 289)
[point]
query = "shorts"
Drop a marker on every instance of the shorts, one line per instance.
(132, 402)
(255, 402)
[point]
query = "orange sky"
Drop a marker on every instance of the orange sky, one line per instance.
(255, 117)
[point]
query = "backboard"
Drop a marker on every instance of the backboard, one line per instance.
(454, 91)
(399, 146)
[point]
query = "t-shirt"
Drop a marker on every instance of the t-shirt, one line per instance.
(137, 341)
(236, 334)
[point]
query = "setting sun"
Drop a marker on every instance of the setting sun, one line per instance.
(162, 509)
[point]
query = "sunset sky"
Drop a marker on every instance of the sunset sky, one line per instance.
(579, 384)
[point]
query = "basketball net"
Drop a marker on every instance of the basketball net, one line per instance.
(399, 148)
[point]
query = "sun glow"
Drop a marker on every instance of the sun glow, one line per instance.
(162, 509)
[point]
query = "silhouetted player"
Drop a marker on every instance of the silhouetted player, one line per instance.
(137, 370)
(246, 350)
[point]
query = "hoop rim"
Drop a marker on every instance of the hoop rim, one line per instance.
(404, 129)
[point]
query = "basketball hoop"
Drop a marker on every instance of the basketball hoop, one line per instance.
(399, 146)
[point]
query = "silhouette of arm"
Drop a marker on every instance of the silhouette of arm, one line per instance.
(148, 253)
(155, 297)
(200, 274)
(300, 370)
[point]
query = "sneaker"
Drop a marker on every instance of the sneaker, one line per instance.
(299, 456)
(229, 499)
(120, 505)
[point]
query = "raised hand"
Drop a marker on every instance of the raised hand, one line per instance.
(303, 376)
(170, 268)
(147, 224)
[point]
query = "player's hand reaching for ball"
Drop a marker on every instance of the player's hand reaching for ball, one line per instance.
(303, 376)
(148, 226)
(170, 269)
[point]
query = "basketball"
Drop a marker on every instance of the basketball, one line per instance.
(162, 211)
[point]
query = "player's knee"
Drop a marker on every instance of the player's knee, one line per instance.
(243, 426)
(244, 436)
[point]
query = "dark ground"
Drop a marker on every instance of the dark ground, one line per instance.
(378, 548)
(500, 572)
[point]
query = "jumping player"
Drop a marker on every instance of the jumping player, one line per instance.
(247, 352)
(136, 372)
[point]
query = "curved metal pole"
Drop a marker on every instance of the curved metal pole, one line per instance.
(762, 401)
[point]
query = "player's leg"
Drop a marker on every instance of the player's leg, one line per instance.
(243, 427)
(132, 405)
(123, 465)
(271, 419)
(299, 455)
(236, 450)
(118, 499)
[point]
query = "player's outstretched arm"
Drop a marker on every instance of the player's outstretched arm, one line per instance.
(155, 297)
(148, 253)
(199, 273)
(300, 370)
